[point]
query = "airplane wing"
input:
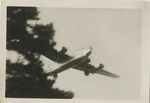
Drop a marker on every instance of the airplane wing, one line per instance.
(61, 57)
(106, 73)
(88, 68)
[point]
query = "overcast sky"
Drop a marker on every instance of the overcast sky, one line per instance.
(115, 36)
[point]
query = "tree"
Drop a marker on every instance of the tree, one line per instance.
(26, 78)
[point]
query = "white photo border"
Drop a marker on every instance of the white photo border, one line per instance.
(144, 6)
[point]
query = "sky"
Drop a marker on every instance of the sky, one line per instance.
(115, 36)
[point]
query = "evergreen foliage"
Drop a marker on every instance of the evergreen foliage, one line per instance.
(28, 80)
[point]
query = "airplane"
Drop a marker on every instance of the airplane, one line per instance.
(80, 62)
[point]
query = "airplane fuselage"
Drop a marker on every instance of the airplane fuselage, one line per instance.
(73, 62)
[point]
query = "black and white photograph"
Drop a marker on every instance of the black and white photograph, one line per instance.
(73, 53)
(80, 42)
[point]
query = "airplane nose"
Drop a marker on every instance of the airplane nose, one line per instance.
(88, 53)
(89, 48)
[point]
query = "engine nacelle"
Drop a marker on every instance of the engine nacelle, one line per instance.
(55, 75)
(86, 61)
(86, 73)
(101, 66)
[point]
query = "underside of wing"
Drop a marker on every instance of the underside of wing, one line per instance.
(57, 56)
(88, 68)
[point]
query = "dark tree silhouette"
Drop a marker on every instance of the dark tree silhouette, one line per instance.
(27, 80)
